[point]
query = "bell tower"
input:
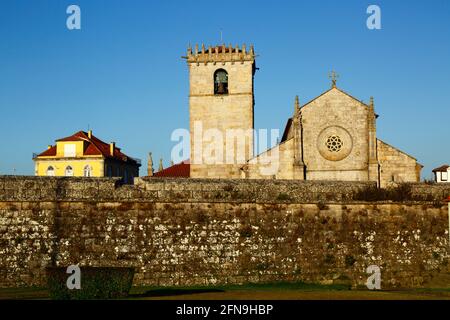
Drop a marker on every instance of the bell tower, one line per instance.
(221, 102)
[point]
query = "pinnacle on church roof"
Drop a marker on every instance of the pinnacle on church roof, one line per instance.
(150, 170)
(296, 105)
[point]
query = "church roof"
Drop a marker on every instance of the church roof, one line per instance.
(179, 170)
(340, 90)
(289, 121)
(391, 146)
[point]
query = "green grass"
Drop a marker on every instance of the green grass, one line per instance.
(27, 293)
(247, 287)
(282, 290)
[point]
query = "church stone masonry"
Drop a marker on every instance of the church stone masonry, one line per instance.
(332, 137)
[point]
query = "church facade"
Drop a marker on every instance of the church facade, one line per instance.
(332, 137)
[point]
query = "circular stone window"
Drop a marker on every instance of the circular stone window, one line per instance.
(334, 143)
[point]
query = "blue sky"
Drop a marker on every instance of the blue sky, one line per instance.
(122, 74)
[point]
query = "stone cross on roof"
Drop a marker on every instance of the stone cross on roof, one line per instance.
(333, 76)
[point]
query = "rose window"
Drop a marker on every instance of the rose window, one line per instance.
(334, 143)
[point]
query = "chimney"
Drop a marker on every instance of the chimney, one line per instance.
(112, 146)
(90, 134)
(49, 146)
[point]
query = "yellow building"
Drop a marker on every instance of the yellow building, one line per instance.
(84, 155)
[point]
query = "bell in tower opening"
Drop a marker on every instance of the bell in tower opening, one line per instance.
(220, 82)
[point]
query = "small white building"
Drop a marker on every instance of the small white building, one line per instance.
(442, 174)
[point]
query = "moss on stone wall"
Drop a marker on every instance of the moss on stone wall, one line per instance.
(201, 241)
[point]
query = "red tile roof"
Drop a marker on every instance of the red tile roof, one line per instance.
(93, 147)
(49, 152)
(179, 170)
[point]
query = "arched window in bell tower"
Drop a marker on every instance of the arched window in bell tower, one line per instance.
(220, 82)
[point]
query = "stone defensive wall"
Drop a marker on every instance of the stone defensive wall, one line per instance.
(210, 232)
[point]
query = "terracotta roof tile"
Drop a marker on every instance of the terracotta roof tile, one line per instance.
(179, 170)
(49, 152)
(93, 147)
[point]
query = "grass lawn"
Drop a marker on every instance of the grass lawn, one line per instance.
(283, 291)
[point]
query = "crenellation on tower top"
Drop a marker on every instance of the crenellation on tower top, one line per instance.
(219, 53)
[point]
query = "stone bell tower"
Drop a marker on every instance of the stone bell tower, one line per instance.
(221, 102)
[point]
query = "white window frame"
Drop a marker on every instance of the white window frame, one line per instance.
(50, 171)
(87, 171)
(68, 171)
(70, 150)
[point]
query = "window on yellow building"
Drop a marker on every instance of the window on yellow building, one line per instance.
(87, 171)
(50, 171)
(69, 150)
(68, 172)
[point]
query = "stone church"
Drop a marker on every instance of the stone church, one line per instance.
(332, 137)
